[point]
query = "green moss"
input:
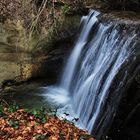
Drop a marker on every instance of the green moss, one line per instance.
(65, 9)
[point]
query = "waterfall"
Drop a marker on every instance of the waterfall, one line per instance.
(101, 66)
(73, 60)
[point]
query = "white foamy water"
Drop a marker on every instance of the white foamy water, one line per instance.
(96, 74)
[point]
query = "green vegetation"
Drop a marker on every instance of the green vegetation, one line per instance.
(66, 9)
(40, 137)
(12, 108)
(30, 124)
(14, 124)
(40, 114)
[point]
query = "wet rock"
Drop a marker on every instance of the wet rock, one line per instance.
(126, 123)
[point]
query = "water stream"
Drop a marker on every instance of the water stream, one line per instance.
(101, 66)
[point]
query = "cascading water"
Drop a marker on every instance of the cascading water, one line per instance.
(101, 66)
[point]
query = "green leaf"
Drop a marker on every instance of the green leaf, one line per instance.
(40, 137)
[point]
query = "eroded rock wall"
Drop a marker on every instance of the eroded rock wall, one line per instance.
(29, 50)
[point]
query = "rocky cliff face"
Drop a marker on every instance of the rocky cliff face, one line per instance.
(30, 35)
(39, 55)
(126, 123)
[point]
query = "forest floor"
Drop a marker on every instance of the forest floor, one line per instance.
(23, 124)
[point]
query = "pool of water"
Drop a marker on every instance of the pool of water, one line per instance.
(38, 94)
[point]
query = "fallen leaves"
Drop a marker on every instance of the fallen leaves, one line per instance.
(22, 125)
